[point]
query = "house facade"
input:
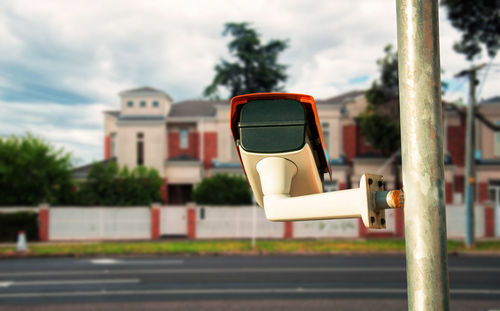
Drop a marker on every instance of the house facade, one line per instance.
(189, 140)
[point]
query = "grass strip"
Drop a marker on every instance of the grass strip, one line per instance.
(234, 247)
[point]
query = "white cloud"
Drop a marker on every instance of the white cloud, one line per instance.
(54, 49)
(78, 129)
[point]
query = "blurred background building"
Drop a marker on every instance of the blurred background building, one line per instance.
(189, 140)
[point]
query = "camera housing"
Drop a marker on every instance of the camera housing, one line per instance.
(280, 125)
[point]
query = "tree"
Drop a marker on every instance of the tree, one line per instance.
(380, 121)
(109, 185)
(387, 88)
(255, 69)
(222, 189)
(33, 171)
(479, 22)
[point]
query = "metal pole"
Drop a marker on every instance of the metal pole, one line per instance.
(422, 154)
(469, 162)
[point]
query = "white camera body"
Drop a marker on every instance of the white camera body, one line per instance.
(304, 180)
(282, 151)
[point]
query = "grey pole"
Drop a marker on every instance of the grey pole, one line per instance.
(422, 155)
(469, 162)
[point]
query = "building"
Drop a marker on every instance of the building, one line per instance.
(190, 140)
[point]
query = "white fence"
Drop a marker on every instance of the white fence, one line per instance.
(173, 220)
(235, 222)
(15, 209)
(207, 222)
(95, 223)
(455, 221)
(345, 228)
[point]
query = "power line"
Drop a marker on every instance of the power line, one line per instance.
(484, 77)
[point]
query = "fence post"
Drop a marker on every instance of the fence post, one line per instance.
(155, 221)
(191, 221)
(288, 230)
(43, 222)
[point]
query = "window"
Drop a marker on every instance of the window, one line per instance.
(326, 135)
(183, 133)
(497, 142)
(113, 144)
(494, 192)
(156, 104)
(130, 103)
(140, 149)
(143, 104)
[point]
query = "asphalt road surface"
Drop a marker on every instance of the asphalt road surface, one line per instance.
(367, 282)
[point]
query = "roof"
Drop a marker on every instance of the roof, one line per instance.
(342, 98)
(233, 165)
(81, 172)
(370, 155)
(451, 107)
(340, 161)
(143, 90)
(491, 101)
(183, 157)
(139, 117)
(487, 161)
(195, 108)
(113, 113)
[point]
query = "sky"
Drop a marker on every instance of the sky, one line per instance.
(64, 62)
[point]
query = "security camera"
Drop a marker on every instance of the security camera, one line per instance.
(282, 151)
(283, 126)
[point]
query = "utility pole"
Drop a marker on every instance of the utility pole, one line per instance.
(422, 154)
(470, 174)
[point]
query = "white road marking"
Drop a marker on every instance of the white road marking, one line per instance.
(5, 284)
(104, 261)
(234, 270)
(112, 261)
(237, 291)
(72, 282)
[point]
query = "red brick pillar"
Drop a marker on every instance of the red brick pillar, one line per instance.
(483, 192)
(342, 186)
(349, 141)
(191, 222)
(210, 146)
(288, 230)
(399, 218)
(362, 231)
(107, 147)
(489, 221)
(43, 222)
(155, 221)
(449, 192)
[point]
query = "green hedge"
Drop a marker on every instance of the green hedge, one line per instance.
(109, 185)
(12, 223)
(222, 189)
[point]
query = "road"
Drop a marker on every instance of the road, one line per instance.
(366, 282)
